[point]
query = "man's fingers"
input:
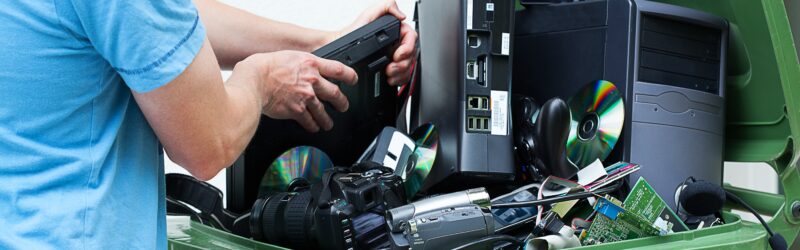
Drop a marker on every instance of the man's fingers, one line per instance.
(307, 122)
(317, 111)
(335, 70)
(390, 6)
(398, 68)
(331, 93)
(408, 43)
(398, 80)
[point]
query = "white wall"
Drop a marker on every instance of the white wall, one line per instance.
(319, 14)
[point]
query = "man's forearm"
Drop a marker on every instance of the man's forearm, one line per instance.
(236, 34)
(204, 124)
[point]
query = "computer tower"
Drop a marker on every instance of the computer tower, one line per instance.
(668, 62)
(466, 48)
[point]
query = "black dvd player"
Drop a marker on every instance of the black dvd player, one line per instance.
(368, 46)
(373, 106)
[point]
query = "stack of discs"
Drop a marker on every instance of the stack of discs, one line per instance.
(421, 160)
(297, 167)
(598, 114)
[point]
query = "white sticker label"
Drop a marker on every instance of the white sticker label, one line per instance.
(499, 112)
(489, 6)
(469, 14)
(505, 44)
(398, 143)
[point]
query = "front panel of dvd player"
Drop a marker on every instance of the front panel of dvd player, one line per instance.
(678, 107)
(465, 84)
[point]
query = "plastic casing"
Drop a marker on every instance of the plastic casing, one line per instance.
(672, 129)
(762, 124)
(465, 159)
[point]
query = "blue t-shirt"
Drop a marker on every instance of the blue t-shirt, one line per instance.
(80, 168)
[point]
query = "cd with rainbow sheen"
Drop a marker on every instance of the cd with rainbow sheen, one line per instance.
(421, 160)
(598, 115)
(298, 166)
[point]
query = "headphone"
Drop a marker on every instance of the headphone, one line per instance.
(541, 145)
(703, 198)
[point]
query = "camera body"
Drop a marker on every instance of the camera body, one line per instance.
(441, 222)
(448, 228)
(344, 211)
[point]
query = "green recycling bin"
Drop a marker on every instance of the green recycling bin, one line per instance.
(763, 122)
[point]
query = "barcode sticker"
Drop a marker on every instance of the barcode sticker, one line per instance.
(499, 112)
(505, 44)
(469, 14)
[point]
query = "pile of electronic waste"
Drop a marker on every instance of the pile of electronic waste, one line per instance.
(633, 114)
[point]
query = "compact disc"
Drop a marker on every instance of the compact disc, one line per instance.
(598, 114)
(421, 161)
(296, 167)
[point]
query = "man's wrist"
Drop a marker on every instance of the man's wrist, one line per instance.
(321, 38)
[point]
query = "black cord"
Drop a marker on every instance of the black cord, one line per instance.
(567, 197)
(493, 239)
(776, 240)
(739, 201)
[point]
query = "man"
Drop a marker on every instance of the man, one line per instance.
(89, 88)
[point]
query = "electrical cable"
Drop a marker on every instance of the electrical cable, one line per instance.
(493, 239)
(567, 197)
(772, 234)
(413, 81)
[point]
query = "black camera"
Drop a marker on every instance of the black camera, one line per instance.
(344, 211)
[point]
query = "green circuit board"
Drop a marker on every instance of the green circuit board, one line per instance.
(613, 223)
(644, 201)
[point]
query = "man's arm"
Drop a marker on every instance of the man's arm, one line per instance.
(204, 124)
(236, 34)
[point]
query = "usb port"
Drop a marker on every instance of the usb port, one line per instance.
(481, 71)
(478, 124)
(478, 103)
(472, 70)
(474, 41)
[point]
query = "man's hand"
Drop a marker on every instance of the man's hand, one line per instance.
(293, 86)
(205, 124)
(399, 71)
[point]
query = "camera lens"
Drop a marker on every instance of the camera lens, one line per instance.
(299, 217)
(284, 219)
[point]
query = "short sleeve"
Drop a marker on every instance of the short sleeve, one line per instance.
(149, 43)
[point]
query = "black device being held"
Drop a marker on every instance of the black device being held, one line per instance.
(703, 198)
(373, 105)
(344, 211)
